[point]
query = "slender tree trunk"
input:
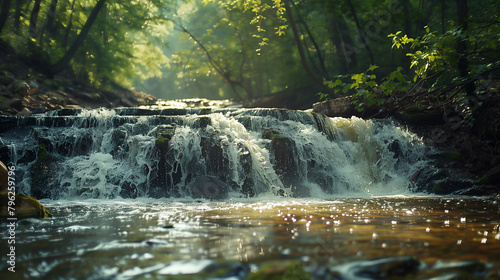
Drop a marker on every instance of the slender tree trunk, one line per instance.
(319, 55)
(348, 48)
(69, 26)
(17, 15)
(463, 62)
(64, 61)
(51, 16)
(443, 8)
(337, 42)
(219, 68)
(34, 17)
(361, 33)
(303, 60)
(418, 20)
(406, 60)
(4, 13)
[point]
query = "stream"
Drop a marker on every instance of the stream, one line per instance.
(176, 192)
(392, 237)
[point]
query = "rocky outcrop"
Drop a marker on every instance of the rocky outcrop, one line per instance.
(338, 107)
(342, 107)
(21, 205)
(23, 93)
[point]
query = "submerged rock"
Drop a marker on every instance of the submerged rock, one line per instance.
(208, 187)
(387, 268)
(280, 270)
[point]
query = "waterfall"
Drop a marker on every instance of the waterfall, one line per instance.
(212, 153)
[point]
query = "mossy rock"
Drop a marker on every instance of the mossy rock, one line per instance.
(4, 176)
(165, 131)
(162, 143)
(270, 134)
(25, 207)
(278, 270)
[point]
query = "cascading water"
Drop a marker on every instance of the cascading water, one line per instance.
(302, 194)
(207, 153)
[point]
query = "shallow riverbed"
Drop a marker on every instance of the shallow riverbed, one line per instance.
(417, 237)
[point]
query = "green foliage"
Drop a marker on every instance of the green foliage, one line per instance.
(434, 60)
(118, 47)
(399, 42)
(437, 55)
(261, 12)
(433, 53)
(366, 90)
(251, 42)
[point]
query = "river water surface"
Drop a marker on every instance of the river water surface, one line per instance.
(396, 237)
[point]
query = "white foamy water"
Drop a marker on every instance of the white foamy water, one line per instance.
(119, 153)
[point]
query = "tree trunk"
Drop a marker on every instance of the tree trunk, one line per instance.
(463, 62)
(51, 16)
(300, 48)
(319, 55)
(361, 33)
(34, 17)
(443, 8)
(334, 31)
(68, 27)
(4, 13)
(220, 69)
(348, 48)
(17, 15)
(406, 60)
(64, 61)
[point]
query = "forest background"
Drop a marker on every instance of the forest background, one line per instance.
(432, 63)
(252, 48)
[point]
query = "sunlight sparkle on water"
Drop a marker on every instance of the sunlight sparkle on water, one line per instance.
(254, 232)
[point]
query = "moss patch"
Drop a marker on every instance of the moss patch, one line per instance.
(25, 207)
(278, 270)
